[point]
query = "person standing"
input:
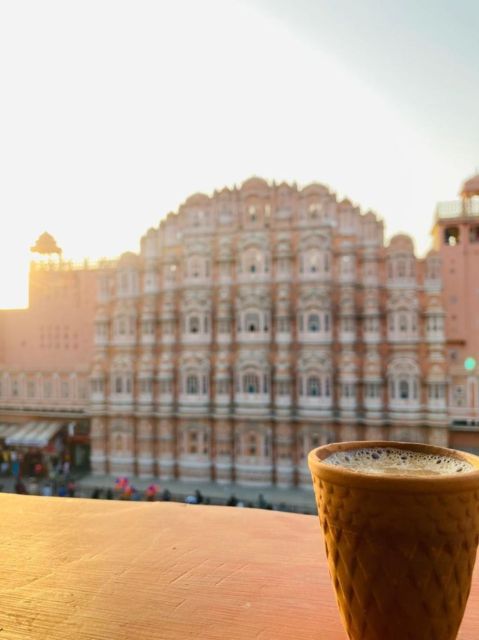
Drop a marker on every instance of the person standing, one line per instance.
(71, 488)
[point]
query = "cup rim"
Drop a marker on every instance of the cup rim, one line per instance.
(426, 484)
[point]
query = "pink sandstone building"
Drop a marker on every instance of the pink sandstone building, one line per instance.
(456, 239)
(253, 325)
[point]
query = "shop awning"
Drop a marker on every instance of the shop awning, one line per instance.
(33, 434)
(7, 429)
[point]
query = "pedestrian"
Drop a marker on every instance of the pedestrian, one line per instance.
(191, 500)
(150, 493)
(20, 487)
(199, 496)
(109, 494)
(232, 501)
(15, 465)
(166, 495)
(95, 493)
(71, 488)
(262, 504)
(47, 490)
(136, 496)
(62, 491)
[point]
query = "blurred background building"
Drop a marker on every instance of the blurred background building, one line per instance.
(252, 326)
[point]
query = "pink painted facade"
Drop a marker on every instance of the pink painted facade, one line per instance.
(254, 325)
(47, 349)
(456, 239)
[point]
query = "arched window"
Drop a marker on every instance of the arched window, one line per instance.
(118, 384)
(314, 386)
(313, 322)
(195, 268)
(194, 324)
(402, 322)
(251, 383)
(252, 445)
(252, 322)
(404, 389)
(253, 261)
(192, 385)
(121, 325)
(119, 443)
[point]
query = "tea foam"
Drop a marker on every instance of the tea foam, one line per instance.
(392, 461)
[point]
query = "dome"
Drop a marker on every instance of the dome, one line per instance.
(470, 187)
(197, 199)
(128, 258)
(254, 184)
(315, 188)
(45, 244)
(401, 242)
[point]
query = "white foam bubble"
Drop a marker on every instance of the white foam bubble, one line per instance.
(393, 461)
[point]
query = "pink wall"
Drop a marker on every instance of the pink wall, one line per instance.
(56, 331)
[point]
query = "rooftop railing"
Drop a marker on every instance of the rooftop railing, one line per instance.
(457, 208)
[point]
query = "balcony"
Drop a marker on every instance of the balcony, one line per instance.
(371, 337)
(253, 337)
(347, 337)
(253, 403)
(193, 403)
(127, 340)
(315, 406)
(196, 338)
(435, 336)
(315, 337)
(457, 209)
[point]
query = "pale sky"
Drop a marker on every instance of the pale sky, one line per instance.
(113, 112)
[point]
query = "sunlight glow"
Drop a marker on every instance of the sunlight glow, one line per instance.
(118, 111)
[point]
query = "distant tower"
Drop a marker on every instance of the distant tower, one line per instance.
(456, 238)
(46, 245)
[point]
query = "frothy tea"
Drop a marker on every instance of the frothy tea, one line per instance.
(402, 462)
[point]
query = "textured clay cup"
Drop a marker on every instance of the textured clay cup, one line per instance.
(401, 549)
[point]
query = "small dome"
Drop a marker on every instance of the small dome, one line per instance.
(45, 244)
(128, 258)
(470, 187)
(197, 199)
(315, 188)
(401, 242)
(254, 184)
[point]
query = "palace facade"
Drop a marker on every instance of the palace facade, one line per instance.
(256, 324)
(456, 239)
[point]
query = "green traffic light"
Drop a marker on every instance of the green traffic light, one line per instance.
(469, 364)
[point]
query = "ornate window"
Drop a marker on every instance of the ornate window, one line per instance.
(194, 324)
(192, 384)
(198, 267)
(404, 382)
(373, 390)
(251, 383)
(313, 322)
(313, 386)
(254, 261)
(252, 322)
(403, 389)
